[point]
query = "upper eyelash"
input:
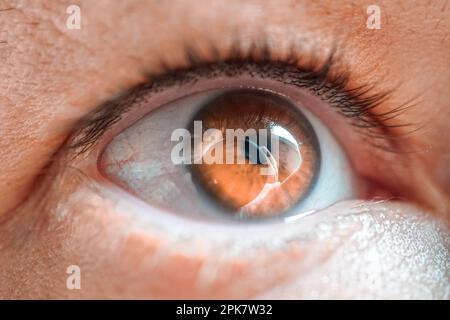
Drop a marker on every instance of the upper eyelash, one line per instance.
(322, 79)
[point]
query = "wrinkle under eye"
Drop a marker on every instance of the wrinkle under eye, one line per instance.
(260, 156)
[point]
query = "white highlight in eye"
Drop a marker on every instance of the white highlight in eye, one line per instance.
(283, 133)
(293, 156)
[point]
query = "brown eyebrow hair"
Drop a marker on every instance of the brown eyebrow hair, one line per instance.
(321, 79)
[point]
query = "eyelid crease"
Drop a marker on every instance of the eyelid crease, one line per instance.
(321, 79)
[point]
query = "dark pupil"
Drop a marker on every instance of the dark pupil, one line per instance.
(252, 149)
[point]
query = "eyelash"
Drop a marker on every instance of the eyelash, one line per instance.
(356, 104)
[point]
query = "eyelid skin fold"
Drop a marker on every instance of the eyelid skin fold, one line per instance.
(323, 79)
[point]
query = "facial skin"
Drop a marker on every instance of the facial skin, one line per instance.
(52, 214)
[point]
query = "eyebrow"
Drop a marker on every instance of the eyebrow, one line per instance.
(324, 80)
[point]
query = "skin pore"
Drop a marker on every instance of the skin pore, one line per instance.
(52, 214)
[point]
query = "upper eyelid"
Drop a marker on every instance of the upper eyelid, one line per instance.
(322, 79)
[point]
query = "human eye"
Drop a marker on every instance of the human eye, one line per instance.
(281, 165)
(337, 181)
(294, 143)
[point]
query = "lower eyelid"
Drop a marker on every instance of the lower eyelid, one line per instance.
(160, 247)
(224, 262)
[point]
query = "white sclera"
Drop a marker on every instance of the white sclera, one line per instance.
(140, 158)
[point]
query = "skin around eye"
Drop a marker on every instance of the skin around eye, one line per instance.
(383, 251)
(267, 166)
(141, 158)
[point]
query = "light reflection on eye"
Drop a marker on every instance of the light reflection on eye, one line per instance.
(309, 168)
(265, 156)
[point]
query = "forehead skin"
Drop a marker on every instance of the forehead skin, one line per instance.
(51, 76)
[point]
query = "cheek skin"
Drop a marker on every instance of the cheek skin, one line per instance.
(396, 253)
(126, 250)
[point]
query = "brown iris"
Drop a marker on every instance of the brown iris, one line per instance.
(257, 155)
